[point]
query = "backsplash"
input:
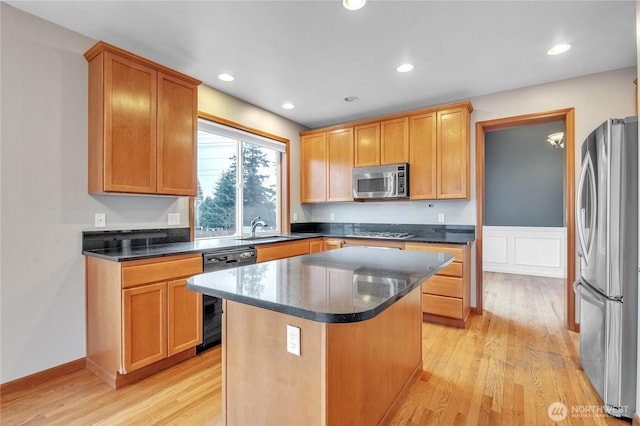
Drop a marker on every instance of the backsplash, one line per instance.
(341, 228)
(92, 240)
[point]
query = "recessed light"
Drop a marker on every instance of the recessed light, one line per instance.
(226, 77)
(351, 99)
(288, 105)
(404, 67)
(558, 49)
(353, 4)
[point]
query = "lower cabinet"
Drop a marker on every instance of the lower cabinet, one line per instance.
(282, 250)
(446, 295)
(140, 316)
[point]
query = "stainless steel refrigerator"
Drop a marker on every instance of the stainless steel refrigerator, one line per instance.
(607, 228)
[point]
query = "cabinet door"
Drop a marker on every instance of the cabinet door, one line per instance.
(340, 164)
(176, 145)
(367, 145)
(130, 97)
(313, 168)
(394, 141)
(315, 246)
(422, 137)
(145, 325)
(332, 244)
(453, 153)
(185, 317)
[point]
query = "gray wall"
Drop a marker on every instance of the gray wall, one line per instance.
(524, 177)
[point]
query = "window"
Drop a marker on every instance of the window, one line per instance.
(236, 165)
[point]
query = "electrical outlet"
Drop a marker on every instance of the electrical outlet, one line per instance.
(174, 218)
(441, 217)
(293, 339)
(332, 216)
(295, 217)
(100, 220)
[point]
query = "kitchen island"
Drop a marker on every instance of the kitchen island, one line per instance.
(359, 317)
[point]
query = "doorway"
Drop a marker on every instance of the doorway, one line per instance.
(566, 116)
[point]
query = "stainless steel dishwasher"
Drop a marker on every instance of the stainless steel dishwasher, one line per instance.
(212, 306)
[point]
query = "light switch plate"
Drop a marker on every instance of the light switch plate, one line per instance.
(441, 217)
(174, 218)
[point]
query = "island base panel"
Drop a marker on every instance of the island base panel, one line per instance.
(348, 373)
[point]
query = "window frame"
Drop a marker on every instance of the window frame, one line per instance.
(283, 170)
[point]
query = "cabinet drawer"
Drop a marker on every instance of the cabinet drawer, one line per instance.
(282, 250)
(443, 286)
(456, 252)
(441, 305)
(453, 269)
(151, 271)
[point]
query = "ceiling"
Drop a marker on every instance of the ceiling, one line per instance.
(315, 53)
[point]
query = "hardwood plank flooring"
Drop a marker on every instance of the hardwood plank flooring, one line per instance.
(506, 368)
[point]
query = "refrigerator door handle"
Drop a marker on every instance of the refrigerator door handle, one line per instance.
(586, 173)
(587, 294)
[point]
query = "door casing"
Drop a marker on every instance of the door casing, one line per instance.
(568, 116)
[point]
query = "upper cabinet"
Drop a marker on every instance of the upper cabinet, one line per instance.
(434, 141)
(313, 160)
(142, 125)
(382, 142)
(367, 145)
(394, 141)
(453, 153)
(439, 146)
(339, 164)
(326, 163)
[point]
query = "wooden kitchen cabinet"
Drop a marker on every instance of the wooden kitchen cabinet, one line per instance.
(339, 164)
(382, 142)
(326, 164)
(446, 295)
(423, 163)
(313, 168)
(439, 146)
(140, 316)
(453, 153)
(394, 141)
(367, 145)
(282, 250)
(145, 325)
(142, 125)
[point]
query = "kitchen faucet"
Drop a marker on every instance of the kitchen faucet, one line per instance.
(255, 222)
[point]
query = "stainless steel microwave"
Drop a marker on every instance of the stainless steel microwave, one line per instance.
(381, 182)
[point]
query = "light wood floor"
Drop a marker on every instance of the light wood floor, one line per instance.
(506, 368)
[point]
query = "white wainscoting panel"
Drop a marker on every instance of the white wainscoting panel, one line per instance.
(525, 250)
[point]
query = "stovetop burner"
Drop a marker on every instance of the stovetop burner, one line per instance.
(374, 234)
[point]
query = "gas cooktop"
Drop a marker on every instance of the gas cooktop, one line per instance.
(372, 234)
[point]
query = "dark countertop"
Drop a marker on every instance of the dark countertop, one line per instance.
(345, 285)
(117, 246)
(121, 254)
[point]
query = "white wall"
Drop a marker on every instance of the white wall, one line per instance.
(43, 175)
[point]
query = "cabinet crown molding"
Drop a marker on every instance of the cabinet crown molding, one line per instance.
(102, 46)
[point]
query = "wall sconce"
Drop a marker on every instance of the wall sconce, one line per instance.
(556, 139)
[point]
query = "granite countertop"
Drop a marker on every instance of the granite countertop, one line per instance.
(124, 253)
(120, 246)
(345, 285)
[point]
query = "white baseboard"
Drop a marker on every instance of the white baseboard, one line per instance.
(525, 250)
